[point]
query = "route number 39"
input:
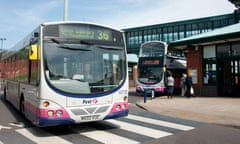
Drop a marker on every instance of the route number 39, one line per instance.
(103, 35)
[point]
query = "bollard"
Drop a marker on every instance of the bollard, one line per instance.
(153, 94)
(145, 95)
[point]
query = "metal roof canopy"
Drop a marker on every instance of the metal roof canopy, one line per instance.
(226, 34)
(175, 23)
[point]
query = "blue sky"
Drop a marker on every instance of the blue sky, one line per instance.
(20, 17)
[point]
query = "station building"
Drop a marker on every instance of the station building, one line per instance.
(211, 46)
(214, 60)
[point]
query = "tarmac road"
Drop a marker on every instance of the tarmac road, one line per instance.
(221, 115)
(207, 134)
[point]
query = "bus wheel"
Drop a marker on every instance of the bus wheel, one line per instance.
(4, 94)
(22, 106)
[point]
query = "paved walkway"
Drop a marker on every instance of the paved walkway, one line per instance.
(216, 110)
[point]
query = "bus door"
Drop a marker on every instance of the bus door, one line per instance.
(229, 77)
(224, 74)
(235, 76)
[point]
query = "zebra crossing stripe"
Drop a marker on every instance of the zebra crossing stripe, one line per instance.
(140, 129)
(160, 122)
(103, 136)
(107, 138)
(39, 136)
(4, 127)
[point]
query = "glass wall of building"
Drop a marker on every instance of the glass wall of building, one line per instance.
(209, 65)
(169, 32)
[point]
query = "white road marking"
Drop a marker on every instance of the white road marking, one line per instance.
(104, 136)
(16, 124)
(4, 127)
(108, 138)
(160, 122)
(140, 129)
(39, 136)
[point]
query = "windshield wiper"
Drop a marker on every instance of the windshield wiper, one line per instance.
(67, 46)
(85, 42)
(109, 47)
(55, 41)
(73, 48)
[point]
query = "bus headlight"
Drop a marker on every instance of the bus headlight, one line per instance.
(118, 107)
(50, 113)
(59, 113)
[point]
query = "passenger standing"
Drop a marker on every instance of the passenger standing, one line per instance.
(183, 84)
(177, 85)
(170, 86)
(189, 85)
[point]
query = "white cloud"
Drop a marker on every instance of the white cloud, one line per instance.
(20, 18)
(175, 10)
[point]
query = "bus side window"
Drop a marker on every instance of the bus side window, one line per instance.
(34, 64)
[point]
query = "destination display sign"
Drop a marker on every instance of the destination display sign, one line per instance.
(85, 32)
(151, 62)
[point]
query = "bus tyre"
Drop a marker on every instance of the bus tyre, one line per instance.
(4, 94)
(22, 106)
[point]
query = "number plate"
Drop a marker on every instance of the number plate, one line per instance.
(90, 117)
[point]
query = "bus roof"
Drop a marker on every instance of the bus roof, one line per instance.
(23, 42)
(78, 22)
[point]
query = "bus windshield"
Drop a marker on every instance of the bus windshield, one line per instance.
(149, 74)
(83, 68)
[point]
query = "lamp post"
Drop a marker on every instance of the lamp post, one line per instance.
(65, 10)
(2, 39)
